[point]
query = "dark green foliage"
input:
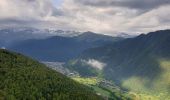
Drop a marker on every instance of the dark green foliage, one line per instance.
(22, 78)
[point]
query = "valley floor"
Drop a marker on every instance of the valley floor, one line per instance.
(107, 88)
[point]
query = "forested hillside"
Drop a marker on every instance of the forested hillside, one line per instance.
(22, 78)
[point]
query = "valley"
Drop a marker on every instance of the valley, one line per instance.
(84, 50)
(108, 89)
(139, 66)
(115, 68)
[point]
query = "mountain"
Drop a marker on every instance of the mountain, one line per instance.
(140, 64)
(94, 37)
(59, 48)
(10, 35)
(25, 79)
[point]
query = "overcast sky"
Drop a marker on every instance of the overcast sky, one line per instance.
(102, 16)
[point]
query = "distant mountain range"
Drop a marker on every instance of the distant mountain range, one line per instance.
(10, 35)
(59, 48)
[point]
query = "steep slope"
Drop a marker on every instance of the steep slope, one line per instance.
(139, 64)
(22, 78)
(59, 48)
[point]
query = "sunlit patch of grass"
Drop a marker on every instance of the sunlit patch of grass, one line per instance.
(144, 96)
(135, 84)
(101, 91)
(92, 82)
(159, 88)
(163, 82)
(86, 81)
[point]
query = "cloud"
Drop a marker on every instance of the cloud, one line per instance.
(29, 13)
(102, 16)
(25, 9)
(132, 4)
(94, 63)
(110, 18)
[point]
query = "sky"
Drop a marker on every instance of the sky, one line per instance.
(101, 16)
(57, 2)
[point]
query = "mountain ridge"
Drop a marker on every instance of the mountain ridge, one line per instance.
(58, 48)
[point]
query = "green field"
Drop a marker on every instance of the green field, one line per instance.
(86, 81)
(138, 91)
(111, 92)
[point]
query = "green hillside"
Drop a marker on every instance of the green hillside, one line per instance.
(22, 78)
(140, 65)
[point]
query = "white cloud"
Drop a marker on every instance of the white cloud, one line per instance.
(84, 15)
(31, 13)
(25, 9)
(114, 19)
(94, 63)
